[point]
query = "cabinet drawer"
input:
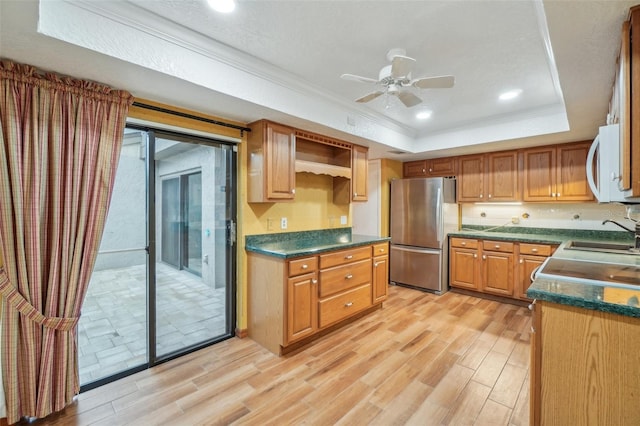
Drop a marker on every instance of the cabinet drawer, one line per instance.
(344, 256)
(501, 246)
(464, 243)
(535, 249)
(303, 266)
(343, 305)
(340, 278)
(380, 249)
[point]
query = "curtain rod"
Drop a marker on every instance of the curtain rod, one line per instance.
(193, 117)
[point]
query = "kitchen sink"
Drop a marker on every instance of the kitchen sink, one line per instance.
(602, 246)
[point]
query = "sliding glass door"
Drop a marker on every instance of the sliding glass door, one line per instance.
(164, 281)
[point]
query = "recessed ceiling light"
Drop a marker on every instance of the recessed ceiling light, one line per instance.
(423, 115)
(222, 6)
(511, 94)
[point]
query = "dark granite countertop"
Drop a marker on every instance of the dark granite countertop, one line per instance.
(538, 235)
(294, 244)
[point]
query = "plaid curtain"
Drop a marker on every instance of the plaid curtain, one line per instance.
(59, 145)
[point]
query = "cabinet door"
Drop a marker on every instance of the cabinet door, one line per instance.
(497, 273)
(442, 167)
(380, 278)
(539, 174)
(302, 306)
(359, 173)
(571, 180)
(280, 157)
(526, 266)
(464, 268)
(414, 169)
(471, 179)
(502, 176)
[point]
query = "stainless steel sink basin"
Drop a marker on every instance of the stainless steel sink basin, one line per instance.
(602, 246)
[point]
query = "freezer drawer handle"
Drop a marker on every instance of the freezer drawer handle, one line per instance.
(348, 304)
(348, 276)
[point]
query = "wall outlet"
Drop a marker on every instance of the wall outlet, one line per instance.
(283, 223)
(515, 220)
(343, 220)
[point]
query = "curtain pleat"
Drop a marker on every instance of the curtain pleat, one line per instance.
(59, 147)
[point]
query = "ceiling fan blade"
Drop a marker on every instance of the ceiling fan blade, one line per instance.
(358, 78)
(369, 97)
(408, 99)
(442, 82)
(401, 66)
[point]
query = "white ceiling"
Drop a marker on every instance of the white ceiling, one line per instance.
(283, 60)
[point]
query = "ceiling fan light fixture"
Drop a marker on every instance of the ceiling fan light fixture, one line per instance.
(511, 94)
(222, 6)
(423, 115)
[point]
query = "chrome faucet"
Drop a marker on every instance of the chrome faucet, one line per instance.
(636, 232)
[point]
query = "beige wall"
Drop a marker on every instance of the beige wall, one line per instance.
(390, 169)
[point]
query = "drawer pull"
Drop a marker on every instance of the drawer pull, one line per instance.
(381, 250)
(348, 257)
(348, 276)
(535, 250)
(348, 304)
(464, 243)
(497, 246)
(305, 266)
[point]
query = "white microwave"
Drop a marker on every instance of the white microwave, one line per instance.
(603, 160)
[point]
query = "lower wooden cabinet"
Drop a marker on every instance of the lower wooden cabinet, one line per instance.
(501, 268)
(584, 367)
(291, 301)
(497, 268)
(380, 272)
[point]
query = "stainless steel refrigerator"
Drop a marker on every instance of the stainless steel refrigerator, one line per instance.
(423, 211)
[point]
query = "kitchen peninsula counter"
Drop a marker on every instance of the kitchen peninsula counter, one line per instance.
(294, 244)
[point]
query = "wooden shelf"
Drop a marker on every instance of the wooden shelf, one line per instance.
(303, 166)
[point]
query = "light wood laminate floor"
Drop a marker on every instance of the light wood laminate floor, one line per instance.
(420, 360)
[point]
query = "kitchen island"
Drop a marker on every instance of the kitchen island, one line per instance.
(302, 285)
(585, 346)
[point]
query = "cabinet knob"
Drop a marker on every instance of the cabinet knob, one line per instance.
(293, 191)
(348, 257)
(348, 304)
(535, 250)
(464, 243)
(521, 261)
(484, 257)
(430, 170)
(381, 250)
(480, 195)
(348, 276)
(314, 281)
(553, 194)
(355, 194)
(375, 265)
(497, 246)
(424, 171)
(305, 266)
(558, 195)
(489, 195)
(475, 256)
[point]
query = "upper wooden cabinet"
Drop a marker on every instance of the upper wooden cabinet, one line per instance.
(435, 167)
(556, 173)
(359, 172)
(276, 153)
(271, 150)
(489, 178)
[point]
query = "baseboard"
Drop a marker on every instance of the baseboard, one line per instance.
(3, 422)
(240, 332)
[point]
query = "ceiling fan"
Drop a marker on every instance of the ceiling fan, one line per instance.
(396, 77)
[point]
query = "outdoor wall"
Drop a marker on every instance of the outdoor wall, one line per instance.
(126, 223)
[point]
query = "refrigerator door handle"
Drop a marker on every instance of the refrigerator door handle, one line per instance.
(440, 225)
